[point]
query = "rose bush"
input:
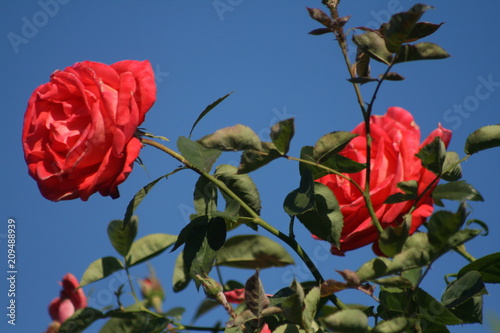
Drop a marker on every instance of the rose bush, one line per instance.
(70, 300)
(396, 140)
(78, 134)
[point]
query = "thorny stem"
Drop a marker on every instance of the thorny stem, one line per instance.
(255, 217)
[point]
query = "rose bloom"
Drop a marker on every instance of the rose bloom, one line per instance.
(396, 140)
(70, 300)
(78, 134)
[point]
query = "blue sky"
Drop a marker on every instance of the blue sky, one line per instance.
(200, 51)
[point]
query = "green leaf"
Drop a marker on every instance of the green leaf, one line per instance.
(433, 155)
(180, 278)
(310, 306)
(204, 307)
(394, 325)
(253, 251)
(400, 26)
(216, 232)
(135, 322)
(234, 138)
(122, 235)
(394, 281)
(324, 219)
(241, 185)
(409, 188)
(207, 110)
(301, 199)
(205, 196)
(362, 80)
(471, 311)
(392, 239)
(201, 157)
(148, 247)
(392, 76)
(251, 160)
(421, 30)
(374, 45)
(288, 328)
(350, 320)
(459, 191)
(137, 199)
(420, 51)
(464, 288)
(488, 266)
(331, 144)
(484, 138)
(442, 225)
(282, 133)
(451, 170)
(100, 269)
(434, 311)
(373, 269)
(80, 320)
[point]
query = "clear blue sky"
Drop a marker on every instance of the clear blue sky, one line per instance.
(262, 50)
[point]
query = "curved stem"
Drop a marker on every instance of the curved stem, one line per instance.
(255, 217)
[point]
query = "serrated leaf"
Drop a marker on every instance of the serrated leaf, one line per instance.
(253, 251)
(394, 325)
(180, 277)
(401, 25)
(459, 191)
(138, 197)
(451, 170)
(484, 138)
(420, 51)
(320, 16)
(350, 320)
(122, 236)
(488, 266)
(373, 269)
(464, 288)
(81, 319)
(201, 157)
(434, 311)
(292, 306)
(324, 219)
(251, 160)
(255, 298)
(281, 135)
(392, 239)
(433, 155)
(234, 138)
(241, 185)
(149, 247)
(374, 45)
(421, 30)
(311, 301)
(207, 110)
(100, 269)
(330, 144)
(392, 76)
(442, 225)
(205, 196)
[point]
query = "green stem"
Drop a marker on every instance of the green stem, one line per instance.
(255, 217)
(463, 252)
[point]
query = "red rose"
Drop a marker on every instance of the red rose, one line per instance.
(396, 140)
(78, 134)
(70, 300)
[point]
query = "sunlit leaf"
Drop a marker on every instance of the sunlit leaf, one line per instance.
(394, 325)
(253, 251)
(350, 320)
(464, 288)
(433, 155)
(234, 138)
(374, 45)
(442, 225)
(81, 319)
(459, 191)
(251, 160)
(122, 236)
(434, 311)
(452, 171)
(484, 138)
(149, 247)
(310, 307)
(100, 269)
(420, 51)
(282, 133)
(201, 157)
(135, 322)
(330, 144)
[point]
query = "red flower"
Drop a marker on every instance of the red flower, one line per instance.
(396, 140)
(70, 300)
(78, 134)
